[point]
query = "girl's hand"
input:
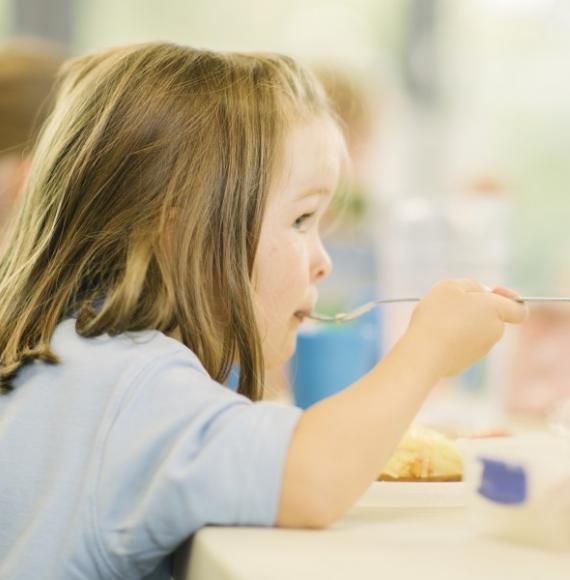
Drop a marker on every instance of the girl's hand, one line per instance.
(461, 320)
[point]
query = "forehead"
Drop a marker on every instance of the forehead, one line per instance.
(311, 157)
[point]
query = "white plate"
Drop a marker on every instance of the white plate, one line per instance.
(392, 494)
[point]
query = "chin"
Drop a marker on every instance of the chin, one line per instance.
(289, 354)
(291, 346)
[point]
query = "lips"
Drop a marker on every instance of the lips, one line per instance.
(308, 306)
(304, 312)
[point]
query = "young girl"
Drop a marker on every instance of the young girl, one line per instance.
(170, 230)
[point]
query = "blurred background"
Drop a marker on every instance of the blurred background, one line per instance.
(457, 117)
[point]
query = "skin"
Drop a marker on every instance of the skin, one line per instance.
(340, 444)
(291, 259)
(13, 172)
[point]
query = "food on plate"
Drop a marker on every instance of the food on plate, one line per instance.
(424, 454)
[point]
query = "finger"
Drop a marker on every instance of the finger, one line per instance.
(469, 285)
(509, 310)
(506, 292)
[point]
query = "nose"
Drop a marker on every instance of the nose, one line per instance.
(322, 264)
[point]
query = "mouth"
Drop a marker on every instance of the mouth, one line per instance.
(302, 314)
(307, 307)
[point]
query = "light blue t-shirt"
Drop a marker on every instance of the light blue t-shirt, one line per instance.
(111, 459)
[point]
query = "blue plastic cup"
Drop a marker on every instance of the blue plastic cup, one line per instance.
(330, 358)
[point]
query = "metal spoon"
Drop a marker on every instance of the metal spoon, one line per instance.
(348, 316)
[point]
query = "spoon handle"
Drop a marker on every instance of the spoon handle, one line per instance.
(542, 298)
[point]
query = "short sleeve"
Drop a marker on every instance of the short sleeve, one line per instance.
(181, 452)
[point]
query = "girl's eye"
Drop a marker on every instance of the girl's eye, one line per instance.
(301, 220)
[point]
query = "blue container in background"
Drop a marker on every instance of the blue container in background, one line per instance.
(331, 357)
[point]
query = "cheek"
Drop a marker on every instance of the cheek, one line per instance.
(281, 273)
(280, 281)
(286, 267)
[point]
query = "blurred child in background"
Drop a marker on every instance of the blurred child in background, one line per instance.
(27, 74)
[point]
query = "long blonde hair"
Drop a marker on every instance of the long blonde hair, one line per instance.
(144, 204)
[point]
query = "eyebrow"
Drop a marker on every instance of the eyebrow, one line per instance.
(314, 191)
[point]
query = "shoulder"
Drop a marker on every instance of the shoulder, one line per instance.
(114, 354)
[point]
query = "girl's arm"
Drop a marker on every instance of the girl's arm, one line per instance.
(341, 444)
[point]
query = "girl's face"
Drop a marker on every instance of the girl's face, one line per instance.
(290, 258)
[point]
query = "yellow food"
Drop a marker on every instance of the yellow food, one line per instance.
(424, 455)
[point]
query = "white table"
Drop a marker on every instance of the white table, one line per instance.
(396, 531)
